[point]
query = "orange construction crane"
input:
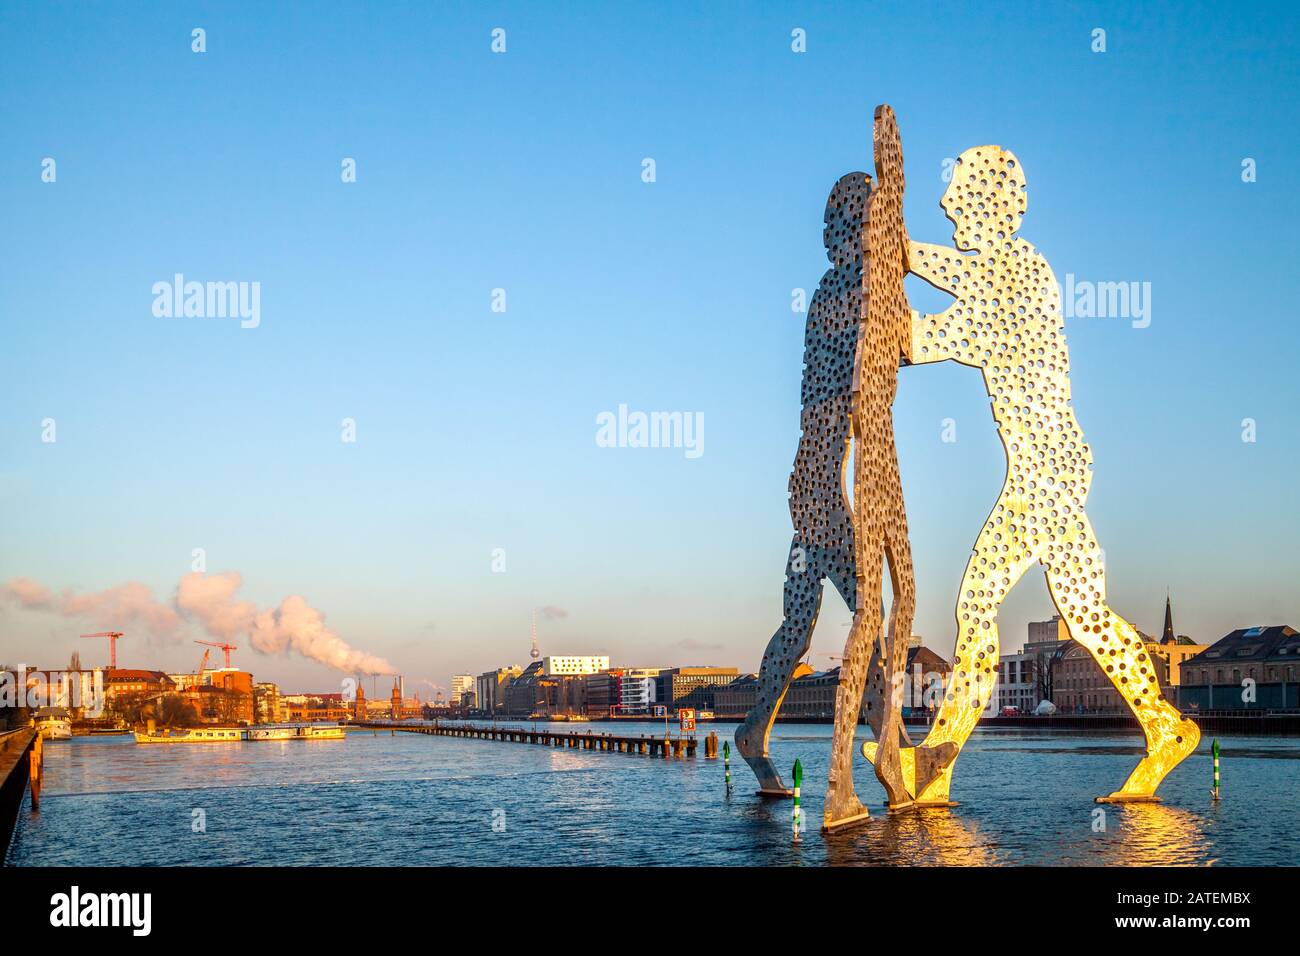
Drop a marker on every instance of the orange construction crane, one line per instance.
(112, 645)
(227, 648)
(203, 664)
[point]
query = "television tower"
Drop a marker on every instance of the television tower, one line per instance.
(534, 653)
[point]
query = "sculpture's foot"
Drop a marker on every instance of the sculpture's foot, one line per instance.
(926, 770)
(1120, 796)
(891, 774)
(752, 748)
(1170, 749)
(843, 810)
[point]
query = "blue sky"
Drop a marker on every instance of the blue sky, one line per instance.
(522, 171)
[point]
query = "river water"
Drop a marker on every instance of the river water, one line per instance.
(1026, 797)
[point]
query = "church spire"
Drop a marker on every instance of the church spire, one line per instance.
(1168, 636)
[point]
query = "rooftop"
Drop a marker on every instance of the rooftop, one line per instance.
(1273, 642)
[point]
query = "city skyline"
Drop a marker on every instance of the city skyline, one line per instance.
(428, 686)
(477, 431)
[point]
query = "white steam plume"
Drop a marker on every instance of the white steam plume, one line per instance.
(210, 600)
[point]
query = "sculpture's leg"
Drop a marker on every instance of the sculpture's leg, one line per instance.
(874, 698)
(990, 575)
(841, 571)
(842, 804)
(888, 766)
(803, 597)
(1077, 580)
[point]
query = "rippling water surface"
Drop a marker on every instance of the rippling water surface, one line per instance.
(381, 798)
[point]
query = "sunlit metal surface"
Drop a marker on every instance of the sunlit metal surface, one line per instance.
(1006, 321)
(880, 519)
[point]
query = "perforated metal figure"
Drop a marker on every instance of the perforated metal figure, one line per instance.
(822, 546)
(1006, 321)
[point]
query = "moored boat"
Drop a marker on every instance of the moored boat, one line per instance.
(191, 735)
(321, 732)
(52, 723)
(297, 732)
(271, 733)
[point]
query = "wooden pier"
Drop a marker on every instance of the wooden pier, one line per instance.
(611, 743)
(17, 748)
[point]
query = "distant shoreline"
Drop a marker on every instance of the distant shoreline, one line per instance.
(1266, 724)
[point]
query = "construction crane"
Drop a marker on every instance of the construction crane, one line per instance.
(112, 645)
(226, 648)
(203, 665)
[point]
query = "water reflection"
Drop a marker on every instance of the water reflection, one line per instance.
(1155, 834)
(378, 797)
(932, 836)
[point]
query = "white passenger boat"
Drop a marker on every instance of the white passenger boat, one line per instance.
(52, 723)
(297, 732)
(191, 735)
(321, 732)
(271, 733)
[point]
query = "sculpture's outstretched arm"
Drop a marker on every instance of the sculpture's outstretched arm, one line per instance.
(933, 335)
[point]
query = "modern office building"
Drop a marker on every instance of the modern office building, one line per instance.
(636, 694)
(460, 685)
(1017, 683)
(1047, 632)
(491, 685)
(620, 690)
(556, 665)
(680, 687)
(602, 692)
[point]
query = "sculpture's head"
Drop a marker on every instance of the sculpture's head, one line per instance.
(985, 198)
(845, 208)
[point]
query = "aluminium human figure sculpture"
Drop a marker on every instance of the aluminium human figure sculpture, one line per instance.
(875, 655)
(857, 332)
(822, 546)
(1006, 321)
